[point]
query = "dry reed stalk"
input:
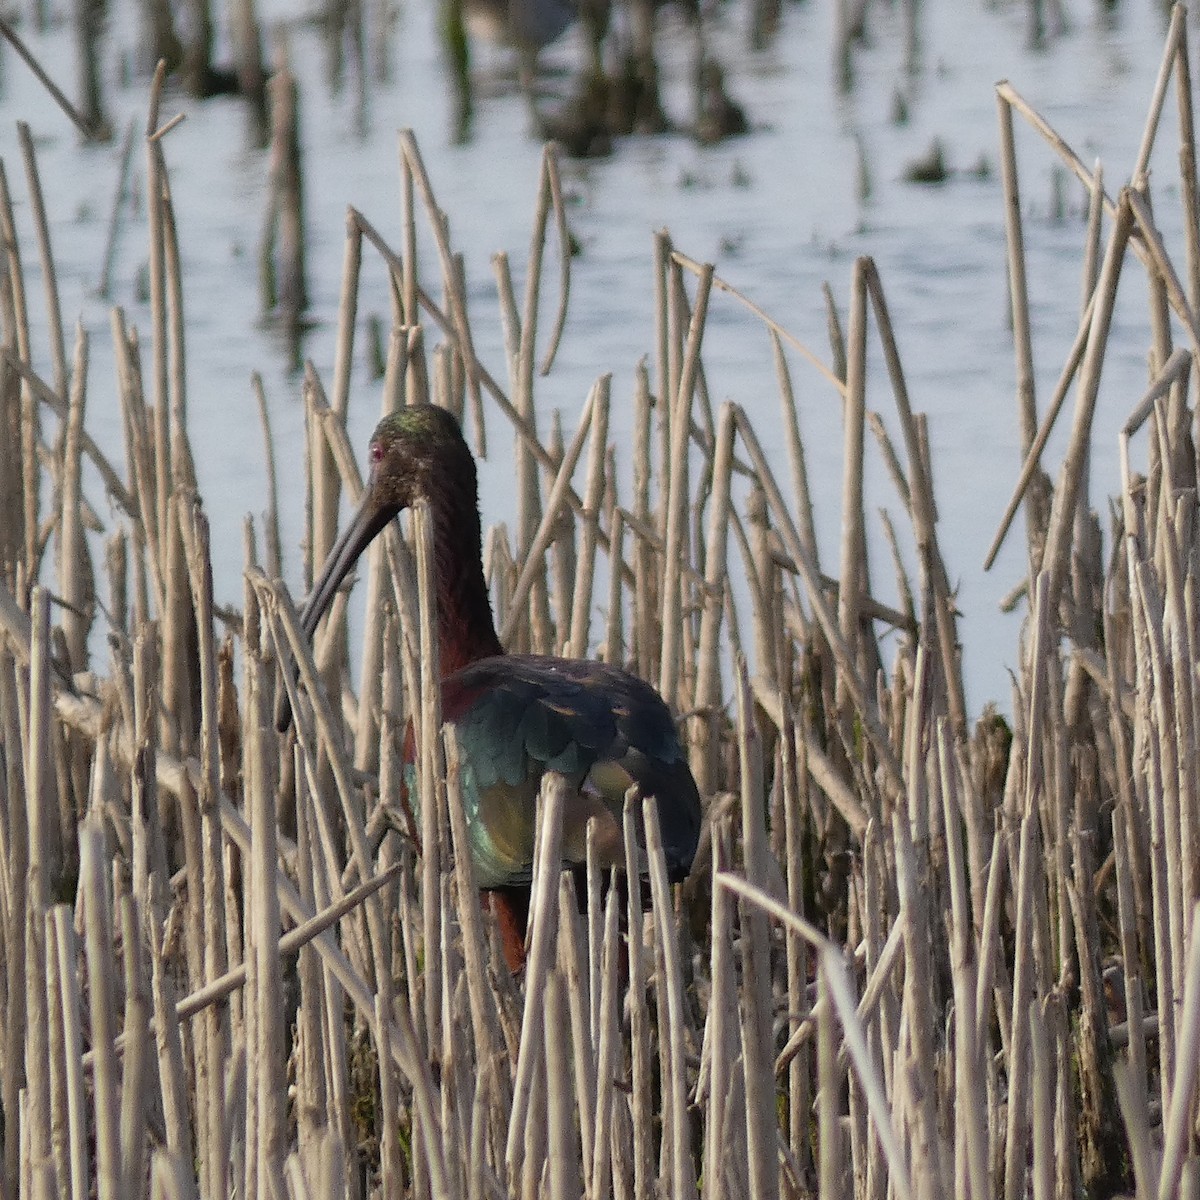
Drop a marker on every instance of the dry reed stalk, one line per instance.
(853, 580)
(706, 731)
(543, 922)
(681, 1174)
(558, 580)
(60, 937)
(555, 503)
(17, 331)
(641, 1108)
(572, 965)
(135, 1075)
(1018, 290)
(74, 567)
(578, 639)
(675, 530)
(614, 646)
(1066, 492)
(97, 920)
(366, 740)
(922, 510)
(274, 547)
(39, 886)
(603, 1135)
(263, 925)
(1031, 471)
(37, 206)
(647, 645)
(456, 306)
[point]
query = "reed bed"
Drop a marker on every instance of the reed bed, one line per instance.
(921, 954)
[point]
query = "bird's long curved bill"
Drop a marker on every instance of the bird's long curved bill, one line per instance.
(370, 519)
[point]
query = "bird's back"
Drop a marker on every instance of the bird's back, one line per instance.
(518, 716)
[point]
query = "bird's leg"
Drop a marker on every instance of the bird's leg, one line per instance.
(510, 908)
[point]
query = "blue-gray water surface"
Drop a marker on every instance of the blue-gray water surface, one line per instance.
(779, 211)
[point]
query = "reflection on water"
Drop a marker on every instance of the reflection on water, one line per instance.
(819, 181)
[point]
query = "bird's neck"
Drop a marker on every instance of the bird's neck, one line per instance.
(466, 632)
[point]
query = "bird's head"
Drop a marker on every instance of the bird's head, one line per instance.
(414, 453)
(417, 453)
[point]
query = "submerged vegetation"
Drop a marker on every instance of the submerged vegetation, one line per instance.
(923, 952)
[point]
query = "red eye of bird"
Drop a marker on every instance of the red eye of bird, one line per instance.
(376, 452)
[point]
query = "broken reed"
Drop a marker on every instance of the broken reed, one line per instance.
(913, 957)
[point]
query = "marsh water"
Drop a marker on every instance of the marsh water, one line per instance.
(820, 180)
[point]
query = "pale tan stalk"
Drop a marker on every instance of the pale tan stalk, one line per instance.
(647, 646)
(721, 1033)
(40, 883)
(16, 306)
(545, 532)
(676, 539)
(1066, 494)
(1017, 286)
(639, 1032)
(1042, 1088)
(155, 186)
(756, 999)
(98, 942)
(601, 1171)
(563, 1146)
(194, 527)
(705, 741)
(438, 225)
(682, 1175)
(1031, 466)
(60, 927)
(666, 363)
(140, 499)
(549, 197)
(378, 589)
(136, 1030)
(614, 650)
(520, 350)
(572, 964)
(30, 60)
(264, 927)
(922, 510)
(970, 1098)
(1093, 246)
(909, 837)
(1158, 98)
(559, 578)
(73, 568)
(41, 228)
(60, 1148)
(544, 923)
(274, 547)
(1018, 1122)
(853, 582)
(585, 572)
